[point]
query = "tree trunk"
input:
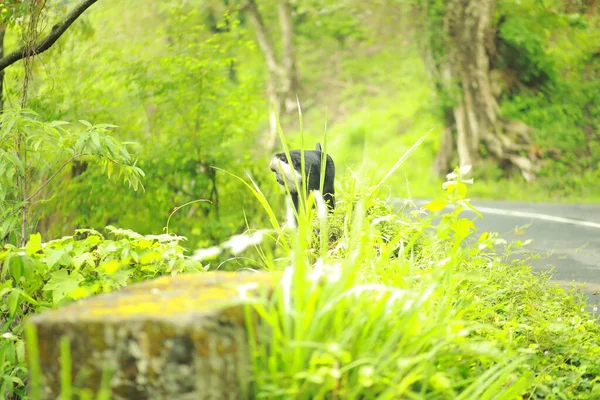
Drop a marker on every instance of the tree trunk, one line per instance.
(2, 32)
(282, 82)
(464, 73)
(443, 159)
(290, 77)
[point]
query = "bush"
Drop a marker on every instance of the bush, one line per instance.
(42, 276)
(401, 307)
(372, 303)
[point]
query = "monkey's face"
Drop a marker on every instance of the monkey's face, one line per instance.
(285, 173)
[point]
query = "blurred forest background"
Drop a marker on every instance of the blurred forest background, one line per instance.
(509, 86)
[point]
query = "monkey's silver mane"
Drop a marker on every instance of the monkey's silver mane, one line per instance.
(284, 171)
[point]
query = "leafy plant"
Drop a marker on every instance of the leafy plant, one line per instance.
(34, 152)
(191, 100)
(43, 276)
(391, 305)
(398, 306)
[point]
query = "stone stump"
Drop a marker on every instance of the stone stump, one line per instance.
(179, 338)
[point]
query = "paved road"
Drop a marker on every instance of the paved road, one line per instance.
(567, 236)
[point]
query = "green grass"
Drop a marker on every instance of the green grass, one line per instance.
(377, 304)
(397, 307)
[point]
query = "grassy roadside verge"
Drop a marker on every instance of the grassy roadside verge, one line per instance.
(396, 307)
(373, 303)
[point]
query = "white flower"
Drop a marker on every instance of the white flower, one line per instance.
(385, 218)
(334, 348)
(245, 288)
(321, 207)
(203, 254)
(443, 262)
(465, 169)
(9, 336)
(332, 273)
(239, 243)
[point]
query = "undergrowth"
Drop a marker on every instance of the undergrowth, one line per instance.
(374, 302)
(396, 305)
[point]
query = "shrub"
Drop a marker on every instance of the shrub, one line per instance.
(393, 305)
(42, 276)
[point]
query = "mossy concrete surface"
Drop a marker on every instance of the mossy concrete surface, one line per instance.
(180, 337)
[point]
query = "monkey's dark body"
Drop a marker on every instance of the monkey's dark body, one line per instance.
(312, 168)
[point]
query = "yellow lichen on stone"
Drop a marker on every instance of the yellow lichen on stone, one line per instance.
(173, 337)
(164, 297)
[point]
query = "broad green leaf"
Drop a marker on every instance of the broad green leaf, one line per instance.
(6, 266)
(16, 379)
(12, 157)
(15, 268)
(78, 260)
(54, 257)
(79, 293)
(96, 140)
(151, 257)
(120, 278)
(80, 145)
(20, 350)
(27, 297)
(110, 267)
(436, 205)
(103, 126)
(34, 244)
(61, 283)
(12, 301)
(144, 243)
(29, 269)
(463, 227)
(462, 190)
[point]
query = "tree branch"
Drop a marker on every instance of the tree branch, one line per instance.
(45, 43)
(289, 61)
(287, 33)
(2, 33)
(39, 189)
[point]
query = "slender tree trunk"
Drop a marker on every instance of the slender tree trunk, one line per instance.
(282, 83)
(2, 32)
(290, 79)
(443, 159)
(463, 64)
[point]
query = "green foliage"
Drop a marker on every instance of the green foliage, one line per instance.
(318, 19)
(391, 305)
(394, 303)
(442, 320)
(14, 11)
(42, 276)
(399, 306)
(560, 69)
(560, 64)
(191, 100)
(190, 92)
(33, 152)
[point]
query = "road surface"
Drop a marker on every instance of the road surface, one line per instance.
(567, 236)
